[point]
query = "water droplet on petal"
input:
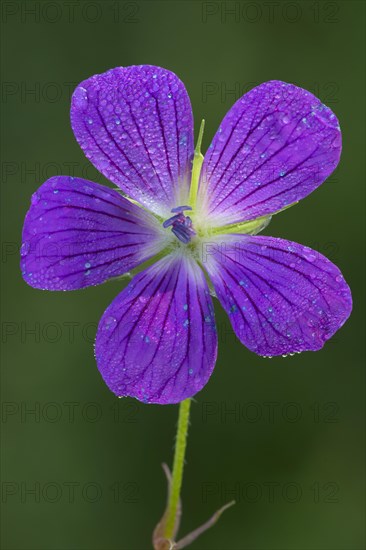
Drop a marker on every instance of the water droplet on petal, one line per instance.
(110, 322)
(24, 249)
(309, 255)
(80, 98)
(35, 198)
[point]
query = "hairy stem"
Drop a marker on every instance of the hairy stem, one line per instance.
(178, 466)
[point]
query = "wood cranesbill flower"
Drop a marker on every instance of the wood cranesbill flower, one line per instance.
(198, 218)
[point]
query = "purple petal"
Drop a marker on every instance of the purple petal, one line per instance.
(135, 125)
(281, 297)
(78, 233)
(275, 146)
(157, 340)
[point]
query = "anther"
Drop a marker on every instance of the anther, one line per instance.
(181, 225)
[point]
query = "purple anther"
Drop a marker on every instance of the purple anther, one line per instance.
(171, 220)
(181, 234)
(181, 225)
(181, 208)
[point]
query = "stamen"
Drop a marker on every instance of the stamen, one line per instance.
(181, 225)
(171, 220)
(181, 234)
(181, 208)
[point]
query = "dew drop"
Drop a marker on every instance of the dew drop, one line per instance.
(80, 98)
(337, 141)
(110, 322)
(24, 249)
(35, 198)
(309, 255)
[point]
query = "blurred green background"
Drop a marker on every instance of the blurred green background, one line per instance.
(285, 437)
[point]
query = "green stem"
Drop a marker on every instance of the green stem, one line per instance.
(178, 466)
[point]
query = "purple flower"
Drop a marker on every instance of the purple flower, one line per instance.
(157, 341)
